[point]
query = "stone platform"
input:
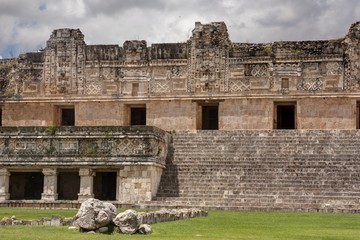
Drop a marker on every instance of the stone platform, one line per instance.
(305, 170)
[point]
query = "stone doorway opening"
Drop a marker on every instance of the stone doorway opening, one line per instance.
(285, 115)
(138, 115)
(26, 185)
(210, 117)
(68, 185)
(67, 116)
(105, 186)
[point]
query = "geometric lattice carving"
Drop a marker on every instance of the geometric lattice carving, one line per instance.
(130, 146)
(239, 85)
(334, 68)
(93, 88)
(82, 148)
(310, 84)
(256, 70)
(160, 86)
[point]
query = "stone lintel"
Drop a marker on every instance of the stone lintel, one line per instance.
(4, 172)
(49, 171)
(86, 172)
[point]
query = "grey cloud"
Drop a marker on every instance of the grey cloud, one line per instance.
(28, 24)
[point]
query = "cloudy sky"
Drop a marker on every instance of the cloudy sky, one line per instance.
(25, 25)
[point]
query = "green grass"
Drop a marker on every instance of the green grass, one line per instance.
(218, 225)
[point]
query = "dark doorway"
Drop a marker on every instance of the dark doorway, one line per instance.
(285, 116)
(210, 118)
(26, 185)
(0, 117)
(67, 116)
(68, 185)
(105, 185)
(138, 116)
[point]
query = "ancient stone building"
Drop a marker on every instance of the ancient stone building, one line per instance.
(233, 115)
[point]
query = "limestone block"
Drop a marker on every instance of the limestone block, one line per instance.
(128, 221)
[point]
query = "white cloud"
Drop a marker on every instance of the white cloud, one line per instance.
(27, 28)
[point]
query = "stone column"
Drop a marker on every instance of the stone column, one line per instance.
(86, 184)
(4, 184)
(50, 184)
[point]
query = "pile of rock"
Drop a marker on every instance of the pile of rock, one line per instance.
(167, 215)
(97, 216)
(55, 220)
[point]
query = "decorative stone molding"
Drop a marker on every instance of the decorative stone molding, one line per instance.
(204, 64)
(82, 145)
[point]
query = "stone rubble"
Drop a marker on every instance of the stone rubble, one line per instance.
(95, 216)
(128, 221)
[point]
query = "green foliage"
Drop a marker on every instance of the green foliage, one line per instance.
(49, 151)
(298, 51)
(51, 130)
(90, 149)
(267, 50)
(9, 92)
(31, 213)
(218, 225)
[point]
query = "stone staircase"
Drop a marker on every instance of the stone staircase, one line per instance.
(307, 170)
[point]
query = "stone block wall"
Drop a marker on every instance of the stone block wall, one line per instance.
(27, 114)
(326, 113)
(100, 113)
(172, 115)
(246, 114)
(138, 183)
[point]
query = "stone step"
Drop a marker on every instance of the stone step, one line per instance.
(287, 169)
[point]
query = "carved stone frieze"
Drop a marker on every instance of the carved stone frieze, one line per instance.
(334, 68)
(352, 58)
(287, 69)
(310, 84)
(257, 70)
(207, 63)
(123, 146)
(239, 85)
(160, 86)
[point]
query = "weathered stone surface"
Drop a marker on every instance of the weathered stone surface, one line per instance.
(166, 215)
(145, 229)
(263, 169)
(102, 230)
(68, 221)
(6, 221)
(128, 221)
(94, 214)
(56, 220)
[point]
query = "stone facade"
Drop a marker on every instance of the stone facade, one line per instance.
(174, 81)
(62, 108)
(135, 156)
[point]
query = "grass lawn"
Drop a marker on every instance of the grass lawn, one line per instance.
(218, 225)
